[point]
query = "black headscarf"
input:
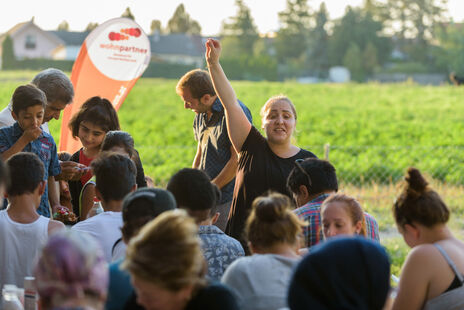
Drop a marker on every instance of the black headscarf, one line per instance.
(341, 273)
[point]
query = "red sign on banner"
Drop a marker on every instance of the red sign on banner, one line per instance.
(110, 61)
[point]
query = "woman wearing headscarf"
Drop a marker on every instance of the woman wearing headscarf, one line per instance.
(341, 273)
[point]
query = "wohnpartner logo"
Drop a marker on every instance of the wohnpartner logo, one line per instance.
(124, 34)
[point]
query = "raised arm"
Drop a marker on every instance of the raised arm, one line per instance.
(238, 125)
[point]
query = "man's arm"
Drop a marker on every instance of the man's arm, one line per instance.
(228, 172)
(196, 160)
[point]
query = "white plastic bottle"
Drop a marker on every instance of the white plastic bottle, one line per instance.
(10, 300)
(30, 294)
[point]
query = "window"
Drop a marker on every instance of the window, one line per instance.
(30, 42)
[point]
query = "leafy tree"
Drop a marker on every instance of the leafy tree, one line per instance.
(240, 30)
(128, 14)
(450, 54)
(291, 40)
(357, 27)
(91, 26)
(155, 26)
(369, 58)
(63, 26)
(181, 22)
(416, 20)
(319, 44)
(353, 61)
(8, 56)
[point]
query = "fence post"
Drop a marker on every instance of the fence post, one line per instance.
(326, 151)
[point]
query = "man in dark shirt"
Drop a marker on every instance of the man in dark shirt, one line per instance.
(215, 154)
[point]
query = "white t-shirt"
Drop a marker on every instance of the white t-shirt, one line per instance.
(19, 246)
(7, 120)
(260, 281)
(105, 228)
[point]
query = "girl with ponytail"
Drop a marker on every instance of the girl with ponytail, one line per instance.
(432, 275)
(274, 236)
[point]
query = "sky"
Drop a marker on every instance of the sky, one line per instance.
(48, 14)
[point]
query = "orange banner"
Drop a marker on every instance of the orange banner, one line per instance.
(110, 61)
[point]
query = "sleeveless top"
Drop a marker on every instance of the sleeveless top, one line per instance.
(451, 299)
(19, 246)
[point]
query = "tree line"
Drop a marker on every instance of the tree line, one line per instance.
(410, 36)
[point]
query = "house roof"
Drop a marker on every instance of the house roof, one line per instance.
(19, 27)
(177, 43)
(70, 37)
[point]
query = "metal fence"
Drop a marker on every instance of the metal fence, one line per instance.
(361, 165)
(356, 165)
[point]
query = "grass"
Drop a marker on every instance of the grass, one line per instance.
(375, 132)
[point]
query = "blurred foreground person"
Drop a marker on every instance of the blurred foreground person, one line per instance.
(71, 273)
(168, 269)
(341, 273)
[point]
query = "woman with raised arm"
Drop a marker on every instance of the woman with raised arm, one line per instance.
(432, 275)
(264, 162)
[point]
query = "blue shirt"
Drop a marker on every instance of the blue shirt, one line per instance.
(215, 144)
(44, 147)
(120, 288)
(219, 250)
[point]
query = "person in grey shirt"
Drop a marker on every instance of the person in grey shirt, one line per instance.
(261, 281)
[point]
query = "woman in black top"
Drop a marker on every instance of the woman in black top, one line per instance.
(264, 162)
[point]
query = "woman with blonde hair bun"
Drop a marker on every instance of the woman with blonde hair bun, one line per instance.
(168, 269)
(274, 235)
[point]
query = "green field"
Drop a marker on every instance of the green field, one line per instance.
(375, 132)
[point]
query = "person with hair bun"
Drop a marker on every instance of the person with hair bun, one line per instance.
(432, 275)
(168, 269)
(342, 215)
(274, 235)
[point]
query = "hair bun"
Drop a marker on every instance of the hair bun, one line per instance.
(415, 180)
(269, 211)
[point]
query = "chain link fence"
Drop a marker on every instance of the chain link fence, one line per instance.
(356, 165)
(362, 165)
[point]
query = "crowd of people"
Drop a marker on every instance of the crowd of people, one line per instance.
(256, 223)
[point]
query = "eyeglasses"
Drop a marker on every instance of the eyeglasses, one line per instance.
(298, 165)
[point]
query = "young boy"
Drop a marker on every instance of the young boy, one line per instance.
(115, 178)
(23, 231)
(195, 193)
(26, 135)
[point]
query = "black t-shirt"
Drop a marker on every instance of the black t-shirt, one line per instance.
(215, 296)
(259, 170)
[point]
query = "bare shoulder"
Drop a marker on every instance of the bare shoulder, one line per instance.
(55, 225)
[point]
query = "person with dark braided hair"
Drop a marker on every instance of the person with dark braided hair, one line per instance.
(432, 275)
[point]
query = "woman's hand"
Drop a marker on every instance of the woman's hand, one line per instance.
(213, 51)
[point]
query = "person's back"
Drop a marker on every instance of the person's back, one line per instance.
(195, 193)
(104, 227)
(23, 231)
(260, 280)
(19, 245)
(115, 178)
(219, 249)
